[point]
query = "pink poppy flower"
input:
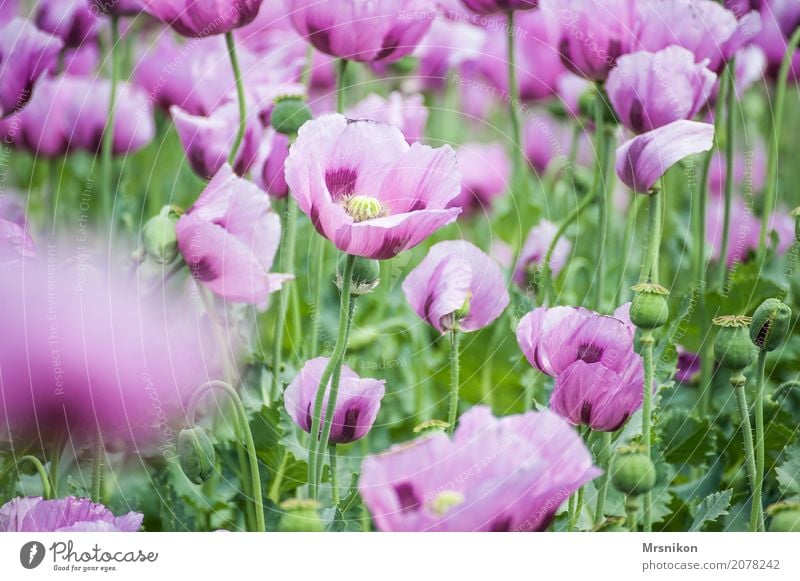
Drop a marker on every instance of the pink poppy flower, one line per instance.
(357, 404)
(406, 112)
(535, 250)
(200, 18)
(229, 238)
(272, 157)
(456, 276)
(32, 514)
(499, 6)
(71, 20)
(486, 170)
(117, 7)
(8, 10)
(432, 484)
(366, 189)
(15, 243)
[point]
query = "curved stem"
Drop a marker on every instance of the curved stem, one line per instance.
(246, 439)
(730, 129)
(97, 467)
(771, 191)
(237, 74)
(738, 382)
(107, 151)
(46, 488)
(602, 490)
(286, 265)
(757, 512)
(452, 415)
(334, 474)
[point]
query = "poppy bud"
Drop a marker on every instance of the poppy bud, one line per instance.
(366, 275)
(732, 348)
(632, 471)
(590, 99)
(159, 237)
(196, 453)
(785, 517)
(770, 324)
(649, 309)
(405, 66)
(300, 516)
(289, 114)
(431, 427)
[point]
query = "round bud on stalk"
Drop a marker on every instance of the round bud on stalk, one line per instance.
(429, 427)
(300, 516)
(632, 471)
(649, 309)
(733, 348)
(785, 517)
(366, 275)
(196, 453)
(159, 238)
(770, 324)
(289, 114)
(405, 66)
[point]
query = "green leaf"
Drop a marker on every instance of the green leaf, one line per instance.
(711, 508)
(685, 439)
(788, 473)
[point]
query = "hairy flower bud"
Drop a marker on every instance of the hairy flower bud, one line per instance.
(366, 275)
(289, 114)
(159, 237)
(732, 348)
(632, 471)
(300, 515)
(431, 427)
(649, 309)
(770, 324)
(196, 453)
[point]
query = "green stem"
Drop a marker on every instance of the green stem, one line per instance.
(275, 488)
(576, 510)
(518, 182)
(316, 319)
(245, 439)
(318, 442)
(771, 190)
(452, 415)
(650, 263)
(730, 129)
(46, 488)
(237, 74)
(286, 265)
(341, 67)
(757, 512)
(600, 197)
(632, 510)
(647, 342)
(738, 382)
(334, 474)
(107, 146)
(602, 489)
(97, 467)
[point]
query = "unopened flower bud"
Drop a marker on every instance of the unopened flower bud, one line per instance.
(300, 516)
(159, 238)
(431, 427)
(289, 114)
(196, 453)
(785, 517)
(733, 348)
(649, 309)
(632, 471)
(591, 99)
(366, 275)
(770, 324)
(405, 66)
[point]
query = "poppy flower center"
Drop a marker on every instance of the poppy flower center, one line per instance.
(362, 208)
(589, 353)
(445, 501)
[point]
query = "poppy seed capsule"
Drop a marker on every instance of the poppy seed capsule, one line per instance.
(289, 114)
(366, 275)
(770, 324)
(300, 516)
(196, 453)
(633, 472)
(159, 237)
(785, 517)
(649, 309)
(733, 348)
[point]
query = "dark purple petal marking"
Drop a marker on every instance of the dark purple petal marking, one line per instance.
(637, 116)
(501, 525)
(348, 431)
(341, 182)
(204, 271)
(407, 497)
(586, 413)
(590, 353)
(320, 38)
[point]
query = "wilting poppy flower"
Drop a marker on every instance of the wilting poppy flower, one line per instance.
(25, 55)
(534, 252)
(207, 141)
(357, 404)
(598, 374)
(363, 31)
(486, 170)
(499, 6)
(229, 238)
(527, 466)
(456, 286)
(200, 18)
(272, 157)
(650, 90)
(117, 7)
(32, 514)
(406, 112)
(644, 159)
(71, 20)
(366, 189)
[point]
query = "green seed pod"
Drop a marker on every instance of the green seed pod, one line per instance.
(289, 114)
(785, 517)
(431, 427)
(649, 309)
(300, 516)
(405, 66)
(366, 275)
(733, 348)
(158, 235)
(196, 453)
(770, 324)
(632, 471)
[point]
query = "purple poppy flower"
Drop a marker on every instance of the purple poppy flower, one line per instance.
(41, 127)
(25, 55)
(71, 20)
(749, 171)
(406, 112)
(32, 514)
(363, 31)
(272, 157)
(357, 404)
(117, 7)
(688, 366)
(535, 250)
(456, 276)
(532, 463)
(201, 18)
(229, 238)
(207, 141)
(499, 6)
(486, 170)
(81, 61)
(595, 33)
(9, 9)
(546, 141)
(644, 159)
(779, 19)
(366, 190)
(598, 374)
(650, 90)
